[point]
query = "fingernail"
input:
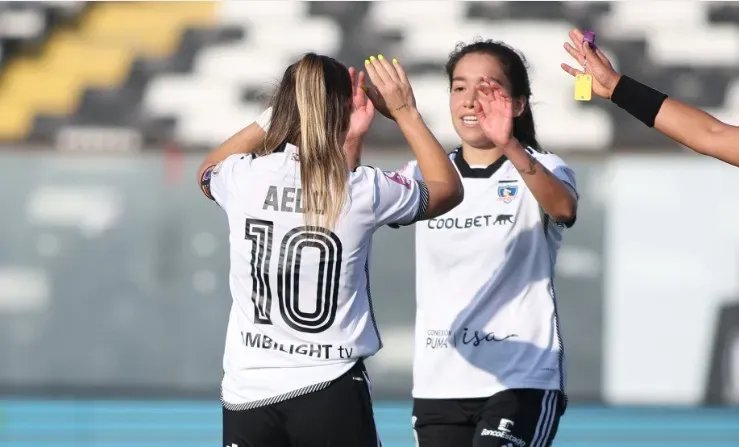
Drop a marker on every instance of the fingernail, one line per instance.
(395, 61)
(372, 58)
(366, 62)
(364, 88)
(380, 56)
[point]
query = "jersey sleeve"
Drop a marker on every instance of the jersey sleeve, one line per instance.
(559, 168)
(219, 182)
(564, 173)
(410, 170)
(398, 200)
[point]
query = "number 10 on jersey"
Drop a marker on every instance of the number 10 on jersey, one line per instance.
(261, 235)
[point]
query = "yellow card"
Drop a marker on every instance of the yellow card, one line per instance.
(583, 87)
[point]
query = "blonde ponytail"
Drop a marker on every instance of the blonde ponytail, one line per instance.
(323, 168)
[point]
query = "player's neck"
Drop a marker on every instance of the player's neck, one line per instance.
(480, 156)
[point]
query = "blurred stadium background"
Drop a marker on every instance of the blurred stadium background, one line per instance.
(113, 292)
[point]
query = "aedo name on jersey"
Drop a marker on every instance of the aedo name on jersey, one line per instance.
(301, 314)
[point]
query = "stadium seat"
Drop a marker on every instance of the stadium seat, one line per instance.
(239, 13)
(21, 24)
(170, 94)
(237, 65)
(410, 14)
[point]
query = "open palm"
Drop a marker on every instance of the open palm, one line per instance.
(593, 62)
(363, 111)
(494, 110)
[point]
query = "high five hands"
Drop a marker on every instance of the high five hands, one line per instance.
(391, 94)
(363, 110)
(390, 91)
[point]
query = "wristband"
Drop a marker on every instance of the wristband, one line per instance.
(641, 101)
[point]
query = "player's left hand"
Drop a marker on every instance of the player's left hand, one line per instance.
(494, 110)
(363, 111)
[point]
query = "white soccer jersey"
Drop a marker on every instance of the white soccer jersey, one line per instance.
(486, 315)
(301, 314)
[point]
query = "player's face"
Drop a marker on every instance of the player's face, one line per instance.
(468, 73)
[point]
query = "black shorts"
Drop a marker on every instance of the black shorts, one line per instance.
(339, 415)
(511, 418)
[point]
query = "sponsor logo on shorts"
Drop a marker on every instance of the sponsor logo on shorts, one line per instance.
(505, 425)
(517, 442)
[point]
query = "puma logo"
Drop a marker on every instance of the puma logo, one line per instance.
(503, 219)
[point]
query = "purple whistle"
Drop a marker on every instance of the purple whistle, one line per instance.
(589, 36)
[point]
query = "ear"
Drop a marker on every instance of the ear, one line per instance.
(519, 105)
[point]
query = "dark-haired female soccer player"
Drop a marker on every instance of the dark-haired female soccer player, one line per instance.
(685, 124)
(489, 367)
(301, 225)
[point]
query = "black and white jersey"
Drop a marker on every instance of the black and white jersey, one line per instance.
(301, 314)
(486, 316)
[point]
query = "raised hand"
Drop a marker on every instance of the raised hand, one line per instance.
(390, 92)
(363, 111)
(594, 63)
(494, 110)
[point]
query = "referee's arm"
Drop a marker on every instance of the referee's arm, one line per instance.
(685, 124)
(699, 131)
(688, 125)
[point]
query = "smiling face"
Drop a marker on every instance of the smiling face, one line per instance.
(468, 74)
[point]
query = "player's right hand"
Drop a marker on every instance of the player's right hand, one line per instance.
(390, 92)
(594, 63)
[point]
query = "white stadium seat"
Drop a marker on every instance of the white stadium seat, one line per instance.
(294, 36)
(238, 12)
(21, 24)
(240, 66)
(645, 18)
(411, 14)
(180, 95)
(717, 46)
(218, 123)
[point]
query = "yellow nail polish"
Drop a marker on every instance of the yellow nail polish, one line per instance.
(366, 62)
(380, 56)
(372, 58)
(364, 88)
(395, 61)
